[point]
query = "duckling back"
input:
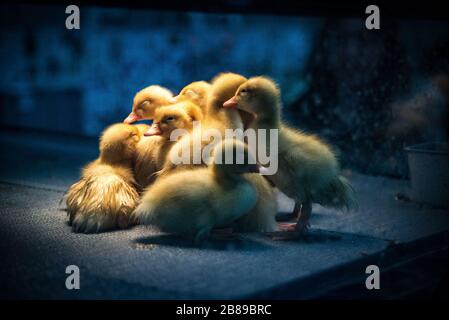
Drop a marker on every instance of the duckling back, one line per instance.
(315, 168)
(192, 202)
(106, 194)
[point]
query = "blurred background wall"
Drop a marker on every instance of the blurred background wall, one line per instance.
(369, 93)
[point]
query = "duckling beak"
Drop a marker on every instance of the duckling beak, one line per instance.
(131, 118)
(231, 103)
(155, 130)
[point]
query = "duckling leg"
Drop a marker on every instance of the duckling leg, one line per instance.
(293, 231)
(303, 222)
(290, 216)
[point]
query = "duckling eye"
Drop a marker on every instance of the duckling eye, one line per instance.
(170, 118)
(244, 92)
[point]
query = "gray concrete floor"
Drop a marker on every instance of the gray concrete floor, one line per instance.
(37, 244)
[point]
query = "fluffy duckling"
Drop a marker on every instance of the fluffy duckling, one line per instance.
(193, 202)
(152, 149)
(143, 128)
(308, 170)
(223, 87)
(262, 216)
(196, 92)
(146, 101)
(106, 195)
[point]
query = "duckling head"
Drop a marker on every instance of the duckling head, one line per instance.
(118, 143)
(259, 96)
(223, 88)
(146, 101)
(196, 92)
(176, 116)
(232, 157)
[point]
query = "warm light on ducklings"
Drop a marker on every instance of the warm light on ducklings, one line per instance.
(224, 85)
(195, 92)
(106, 194)
(180, 115)
(193, 198)
(146, 101)
(193, 202)
(153, 148)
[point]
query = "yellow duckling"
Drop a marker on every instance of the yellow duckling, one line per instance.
(146, 101)
(223, 87)
(308, 170)
(262, 217)
(196, 92)
(106, 195)
(193, 202)
(153, 148)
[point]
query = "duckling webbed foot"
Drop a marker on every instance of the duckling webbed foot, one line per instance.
(295, 230)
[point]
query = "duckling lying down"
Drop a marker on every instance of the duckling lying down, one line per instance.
(106, 195)
(193, 202)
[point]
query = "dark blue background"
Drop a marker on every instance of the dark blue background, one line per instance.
(369, 93)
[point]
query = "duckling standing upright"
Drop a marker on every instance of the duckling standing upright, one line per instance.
(193, 202)
(308, 170)
(106, 194)
(146, 101)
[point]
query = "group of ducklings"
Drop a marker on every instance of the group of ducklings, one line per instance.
(134, 180)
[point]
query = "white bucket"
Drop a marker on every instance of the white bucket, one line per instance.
(429, 173)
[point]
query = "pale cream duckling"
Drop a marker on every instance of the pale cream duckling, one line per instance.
(193, 202)
(146, 101)
(196, 92)
(308, 170)
(106, 195)
(153, 148)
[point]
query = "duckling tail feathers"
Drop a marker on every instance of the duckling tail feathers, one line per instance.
(341, 194)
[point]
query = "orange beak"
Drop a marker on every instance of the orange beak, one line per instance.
(155, 130)
(231, 103)
(131, 118)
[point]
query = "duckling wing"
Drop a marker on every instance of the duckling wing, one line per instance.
(145, 164)
(261, 218)
(180, 202)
